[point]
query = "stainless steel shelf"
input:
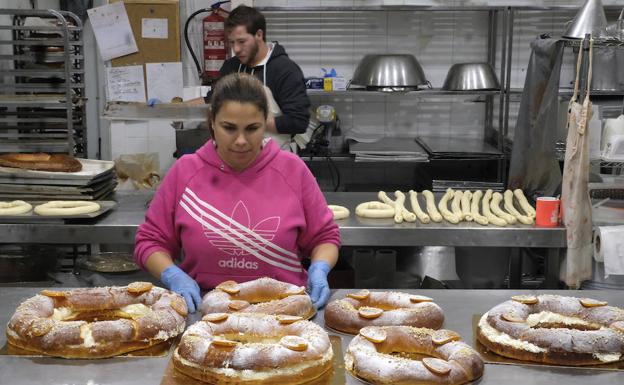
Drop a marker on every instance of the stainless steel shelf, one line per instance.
(121, 224)
(423, 92)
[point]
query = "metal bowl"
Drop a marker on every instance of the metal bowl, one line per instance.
(471, 77)
(391, 72)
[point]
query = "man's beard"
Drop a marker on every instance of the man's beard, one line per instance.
(252, 54)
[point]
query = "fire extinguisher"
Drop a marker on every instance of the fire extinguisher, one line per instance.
(214, 42)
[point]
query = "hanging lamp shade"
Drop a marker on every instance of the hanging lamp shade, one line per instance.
(590, 19)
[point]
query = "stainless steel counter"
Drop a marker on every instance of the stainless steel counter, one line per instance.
(120, 225)
(459, 305)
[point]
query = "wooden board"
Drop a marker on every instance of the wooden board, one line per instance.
(152, 50)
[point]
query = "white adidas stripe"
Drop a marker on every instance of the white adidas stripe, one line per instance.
(238, 225)
(237, 243)
(241, 238)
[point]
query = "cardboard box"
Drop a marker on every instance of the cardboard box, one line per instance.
(153, 48)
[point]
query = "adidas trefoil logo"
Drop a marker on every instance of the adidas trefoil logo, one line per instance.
(265, 228)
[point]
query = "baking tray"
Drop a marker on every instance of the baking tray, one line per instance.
(334, 376)
(60, 181)
(95, 195)
(91, 168)
(12, 188)
(32, 217)
(490, 357)
(449, 147)
(388, 147)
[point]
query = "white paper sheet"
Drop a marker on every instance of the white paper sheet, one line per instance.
(164, 81)
(125, 84)
(154, 29)
(112, 30)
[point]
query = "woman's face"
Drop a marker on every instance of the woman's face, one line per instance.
(238, 131)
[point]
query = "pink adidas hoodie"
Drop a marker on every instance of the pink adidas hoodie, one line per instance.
(237, 225)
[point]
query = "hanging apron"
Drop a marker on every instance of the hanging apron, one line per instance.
(575, 201)
(287, 142)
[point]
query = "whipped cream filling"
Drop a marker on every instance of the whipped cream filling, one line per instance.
(549, 317)
(136, 310)
(504, 339)
(248, 374)
(607, 357)
(62, 313)
(87, 336)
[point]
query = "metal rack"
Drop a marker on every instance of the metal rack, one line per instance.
(42, 91)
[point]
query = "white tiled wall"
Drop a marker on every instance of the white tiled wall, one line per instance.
(134, 137)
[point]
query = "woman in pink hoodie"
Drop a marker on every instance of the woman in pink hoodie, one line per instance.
(239, 208)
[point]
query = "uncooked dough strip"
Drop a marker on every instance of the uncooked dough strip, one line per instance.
(421, 215)
(524, 203)
(434, 214)
(485, 207)
(340, 212)
(442, 206)
(465, 205)
(14, 207)
(67, 208)
(399, 205)
(398, 216)
(496, 210)
(374, 209)
(508, 204)
(474, 209)
(456, 204)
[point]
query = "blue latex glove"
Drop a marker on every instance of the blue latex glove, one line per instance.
(317, 283)
(178, 281)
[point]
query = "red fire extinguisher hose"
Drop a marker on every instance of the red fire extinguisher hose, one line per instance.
(214, 6)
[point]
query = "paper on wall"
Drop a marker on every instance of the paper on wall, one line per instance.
(154, 29)
(164, 81)
(112, 30)
(125, 84)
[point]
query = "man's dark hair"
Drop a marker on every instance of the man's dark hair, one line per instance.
(249, 17)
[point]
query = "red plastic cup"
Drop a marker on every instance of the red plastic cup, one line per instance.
(547, 211)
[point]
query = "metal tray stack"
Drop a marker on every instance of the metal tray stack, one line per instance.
(96, 181)
(388, 150)
(42, 105)
(458, 148)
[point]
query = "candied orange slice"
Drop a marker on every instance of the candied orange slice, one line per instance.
(362, 294)
(179, 305)
(295, 343)
(215, 317)
(373, 334)
(420, 298)
(512, 318)
(296, 291)
(139, 287)
(436, 365)
(238, 305)
(369, 312)
(286, 319)
(230, 287)
(441, 337)
(222, 342)
(525, 299)
(54, 293)
(590, 302)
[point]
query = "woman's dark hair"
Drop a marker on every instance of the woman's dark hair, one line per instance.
(251, 18)
(238, 87)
